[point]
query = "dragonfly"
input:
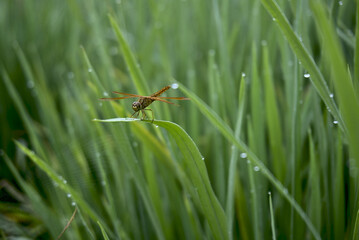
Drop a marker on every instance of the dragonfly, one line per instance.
(144, 101)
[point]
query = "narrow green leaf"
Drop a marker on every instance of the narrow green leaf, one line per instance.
(232, 178)
(304, 57)
(197, 172)
(218, 123)
(104, 234)
(133, 67)
(60, 182)
(344, 90)
(273, 121)
(272, 216)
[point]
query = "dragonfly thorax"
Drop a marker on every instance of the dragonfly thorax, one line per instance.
(136, 106)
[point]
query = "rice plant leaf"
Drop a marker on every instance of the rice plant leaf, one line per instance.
(132, 65)
(218, 123)
(104, 234)
(60, 182)
(344, 89)
(197, 172)
(305, 58)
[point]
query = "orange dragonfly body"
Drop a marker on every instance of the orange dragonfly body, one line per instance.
(144, 101)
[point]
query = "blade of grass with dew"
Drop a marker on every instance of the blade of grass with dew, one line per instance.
(218, 123)
(65, 187)
(232, 177)
(272, 216)
(28, 122)
(38, 204)
(344, 90)
(197, 172)
(133, 67)
(254, 186)
(305, 58)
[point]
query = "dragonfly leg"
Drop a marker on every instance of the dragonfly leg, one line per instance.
(135, 113)
(143, 114)
(151, 112)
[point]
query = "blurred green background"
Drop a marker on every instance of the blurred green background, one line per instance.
(279, 99)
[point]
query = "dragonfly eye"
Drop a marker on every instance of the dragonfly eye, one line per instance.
(136, 106)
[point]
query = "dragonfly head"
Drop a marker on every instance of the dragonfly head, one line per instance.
(136, 106)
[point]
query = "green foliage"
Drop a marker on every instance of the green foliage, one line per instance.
(266, 148)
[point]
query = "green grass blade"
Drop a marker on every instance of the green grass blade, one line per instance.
(272, 216)
(305, 58)
(104, 234)
(356, 51)
(314, 182)
(197, 172)
(273, 121)
(344, 90)
(132, 65)
(59, 181)
(218, 123)
(232, 178)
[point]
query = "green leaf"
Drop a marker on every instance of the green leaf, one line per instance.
(197, 172)
(304, 57)
(218, 123)
(60, 182)
(132, 65)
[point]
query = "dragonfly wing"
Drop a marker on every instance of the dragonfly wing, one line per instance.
(160, 99)
(128, 94)
(117, 98)
(175, 98)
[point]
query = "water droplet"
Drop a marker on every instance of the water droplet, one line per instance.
(174, 85)
(274, 19)
(64, 181)
(285, 191)
(30, 84)
(73, 204)
(256, 169)
(103, 183)
(69, 195)
(113, 51)
(331, 95)
(90, 70)
(243, 155)
(340, 3)
(335, 122)
(203, 158)
(243, 74)
(248, 162)
(55, 184)
(86, 107)
(156, 126)
(269, 193)
(70, 75)
(307, 75)
(105, 94)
